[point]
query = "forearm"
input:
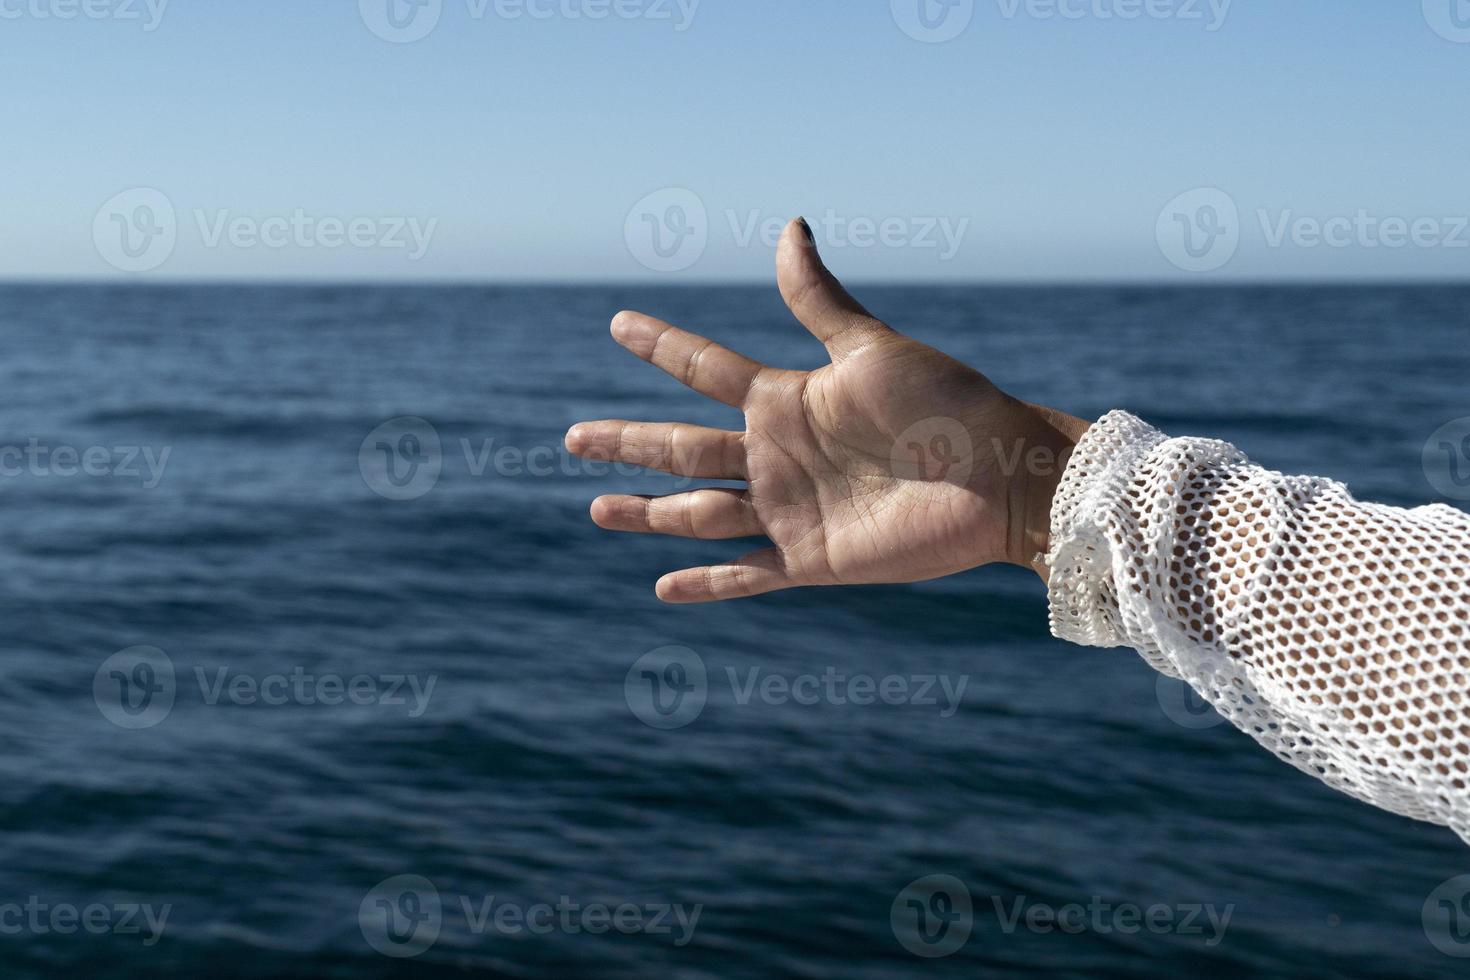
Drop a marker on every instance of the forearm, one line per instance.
(1329, 629)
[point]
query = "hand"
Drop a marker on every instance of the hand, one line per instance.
(893, 463)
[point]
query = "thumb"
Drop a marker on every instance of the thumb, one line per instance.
(817, 298)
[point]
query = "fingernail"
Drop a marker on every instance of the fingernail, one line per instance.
(811, 239)
(622, 326)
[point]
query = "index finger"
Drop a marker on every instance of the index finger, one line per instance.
(698, 362)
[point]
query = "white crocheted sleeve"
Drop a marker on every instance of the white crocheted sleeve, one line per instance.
(1333, 632)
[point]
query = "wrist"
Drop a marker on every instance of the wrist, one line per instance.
(1051, 438)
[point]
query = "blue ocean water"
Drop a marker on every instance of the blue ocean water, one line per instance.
(229, 518)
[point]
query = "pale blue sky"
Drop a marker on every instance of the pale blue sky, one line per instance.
(1054, 143)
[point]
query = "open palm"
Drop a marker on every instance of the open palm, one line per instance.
(893, 463)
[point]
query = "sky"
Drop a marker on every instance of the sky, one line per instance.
(665, 140)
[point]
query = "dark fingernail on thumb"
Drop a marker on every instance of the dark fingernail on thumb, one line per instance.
(811, 239)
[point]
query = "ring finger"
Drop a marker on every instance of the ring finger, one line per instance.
(706, 514)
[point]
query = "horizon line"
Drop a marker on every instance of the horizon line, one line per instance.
(1201, 282)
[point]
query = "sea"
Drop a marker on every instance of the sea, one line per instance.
(313, 664)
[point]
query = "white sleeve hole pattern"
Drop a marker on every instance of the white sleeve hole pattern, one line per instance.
(1334, 632)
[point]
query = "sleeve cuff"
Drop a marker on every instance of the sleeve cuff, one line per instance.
(1081, 593)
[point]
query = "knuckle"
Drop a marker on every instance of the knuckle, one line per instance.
(655, 351)
(696, 359)
(734, 454)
